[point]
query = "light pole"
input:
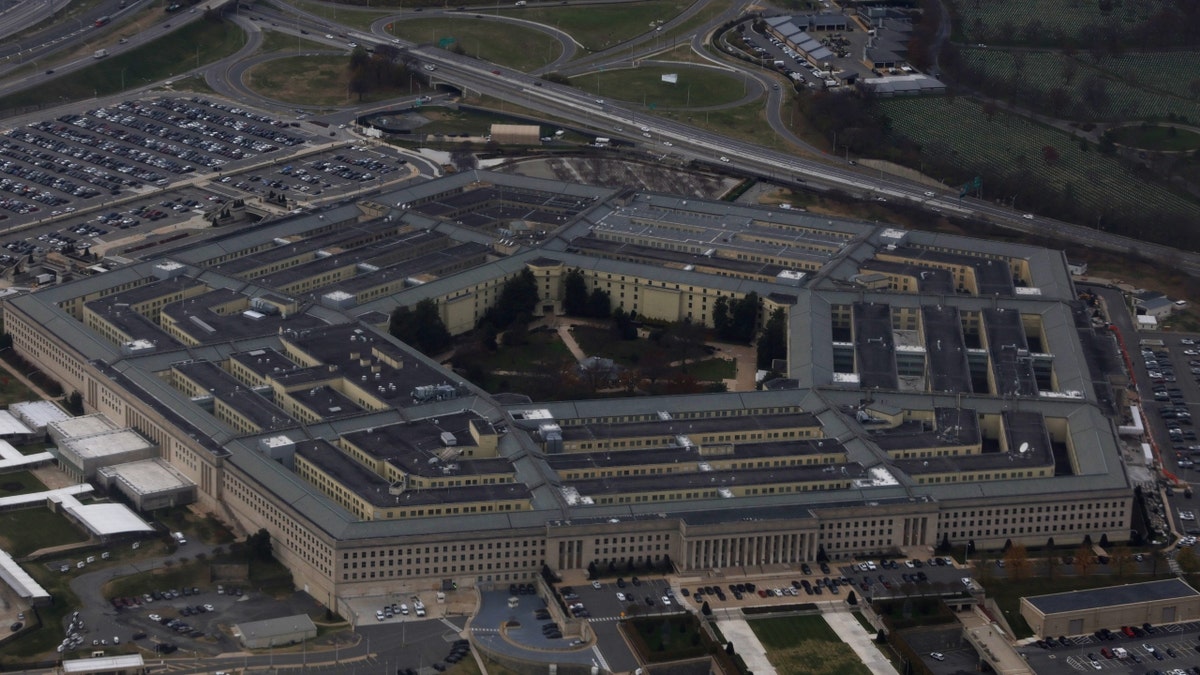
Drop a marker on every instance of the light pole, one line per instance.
(123, 79)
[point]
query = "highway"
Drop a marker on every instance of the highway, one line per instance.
(616, 119)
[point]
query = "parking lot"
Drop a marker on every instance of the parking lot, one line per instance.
(823, 581)
(55, 167)
(165, 620)
(340, 171)
(1167, 649)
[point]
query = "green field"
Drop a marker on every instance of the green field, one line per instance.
(1158, 138)
(274, 41)
(20, 483)
(189, 47)
(27, 530)
(696, 88)
(957, 131)
(511, 46)
(1125, 88)
(598, 27)
(1014, 21)
(354, 18)
(806, 644)
(312, 80)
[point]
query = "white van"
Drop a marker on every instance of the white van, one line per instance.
(404, 609)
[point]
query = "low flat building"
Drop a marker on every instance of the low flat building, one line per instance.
(269, 633)
(1083, 612)
(149, 484)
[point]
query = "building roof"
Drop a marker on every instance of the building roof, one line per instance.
(284, 626)
(1112, 596)
(148, 477)
(38, 414)
(24, 585)
(106, 519)
(79, 427)
(104, 664)
(11, 426)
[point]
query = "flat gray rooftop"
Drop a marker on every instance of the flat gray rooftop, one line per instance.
(1111, 596)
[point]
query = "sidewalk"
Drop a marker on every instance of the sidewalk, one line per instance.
(736, 630)
(852, 633)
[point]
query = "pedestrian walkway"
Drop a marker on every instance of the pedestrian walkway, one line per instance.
(738, 631)
(853, 634)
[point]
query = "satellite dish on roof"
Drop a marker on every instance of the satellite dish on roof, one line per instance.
(1024, 448)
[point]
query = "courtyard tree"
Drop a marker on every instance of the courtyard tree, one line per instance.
(1016, 559)
(1084, 560)
(420, 327)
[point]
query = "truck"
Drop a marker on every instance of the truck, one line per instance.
(1120, 653)
(602, 141)
(179, 538)
(100, 53)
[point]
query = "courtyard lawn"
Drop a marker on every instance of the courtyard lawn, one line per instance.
(806, 644)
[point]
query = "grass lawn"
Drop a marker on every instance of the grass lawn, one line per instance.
(206, 529)
(545, 352)
(190, 573)
(274, 41)
(13, 390)
(697, 87)
(1161, 138)
(20, 483)
(27, 530)
(600, 342)
(806, 644)
(711, 369)
(958, 131)
(354, 18)
(862, 621)
(43, 641)
(747, 122)
(511, 46)
(602, 26)
(188, 47)
(311, 80)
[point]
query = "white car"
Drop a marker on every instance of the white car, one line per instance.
(725, 159)
(620, 596)
(1028, 216)
(928, 194)
(666, 600)
(668, 143)
(155, 617)
(937, 656)
(596, 585)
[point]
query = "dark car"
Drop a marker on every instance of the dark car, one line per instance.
(16, 626)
